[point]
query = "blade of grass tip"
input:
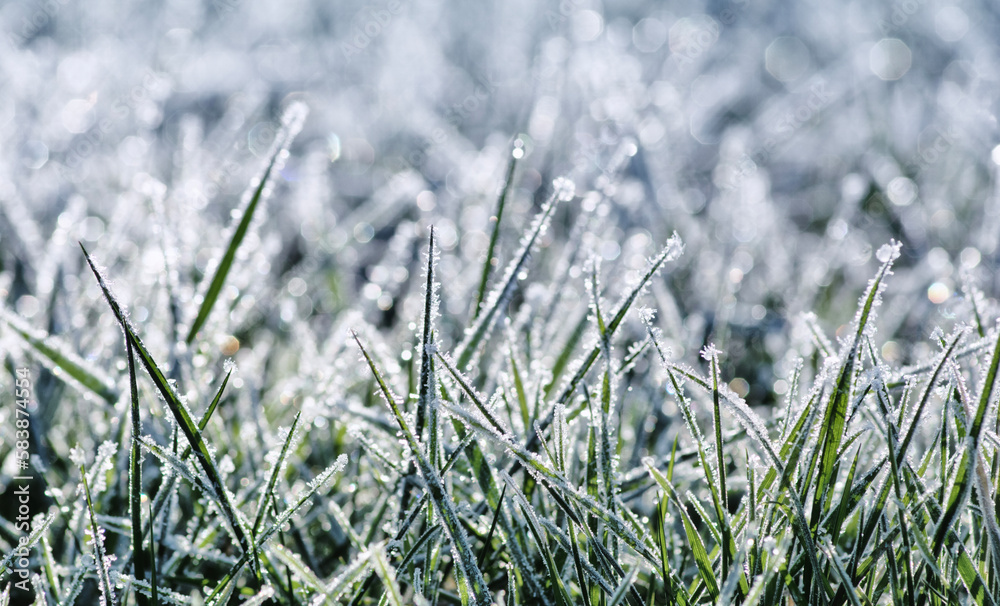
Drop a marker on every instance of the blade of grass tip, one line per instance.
(835, 416)
(203, 422)
(435, 486)
(291, 123)
(563, 190)
(712, 355)
(135, 480)
(965, 467)
(265, 496)
(508, 184)
(384, 570)
(673, 248)
(56, 355)
(100, 557)
(178, 409)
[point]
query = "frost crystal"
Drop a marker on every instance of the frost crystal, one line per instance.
(564, 189)
(888, 252)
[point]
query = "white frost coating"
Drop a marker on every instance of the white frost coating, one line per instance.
(265, 594)
(564, 188)
(78, 456)
(888, 252)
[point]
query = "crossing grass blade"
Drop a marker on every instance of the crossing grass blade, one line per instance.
(965, 469)
(100, 555)
(227, 583)
(384, 570)
(554, 576)
(267, 496)
(179, 411)
(835, 415)
(435, 486)
(291, 123)
(36, 534)
(57, 355)
(502, 292)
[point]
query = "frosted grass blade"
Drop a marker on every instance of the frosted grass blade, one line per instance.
(435, 486)
(178, 409)
(291, 121)
(57, 355)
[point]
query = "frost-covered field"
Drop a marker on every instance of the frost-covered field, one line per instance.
(524, 302)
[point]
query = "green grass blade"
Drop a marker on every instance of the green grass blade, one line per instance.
(554, 576)
(178, 409)
(435, 486)
(100, 556)
(279, 463)
(712, 355)
(57, 356)
(291, 121)
(620, 592)
(426, 406)
(386, 573)
(153, 581)
(502, 292)
(266, 497)
(508, 185)
(135, 480)
(205, 418)
(493, 527)
(835, 416)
